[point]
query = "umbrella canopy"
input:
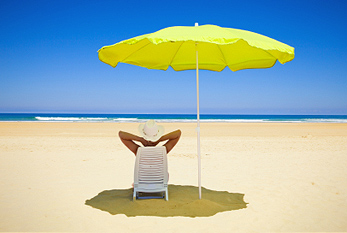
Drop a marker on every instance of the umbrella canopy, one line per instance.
(206, 47)
(218, 47)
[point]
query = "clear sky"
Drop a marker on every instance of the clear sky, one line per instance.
(49, 61)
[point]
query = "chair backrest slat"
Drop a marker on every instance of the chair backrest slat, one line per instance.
(151, 167)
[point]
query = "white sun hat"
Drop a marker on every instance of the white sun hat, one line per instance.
(151, 131)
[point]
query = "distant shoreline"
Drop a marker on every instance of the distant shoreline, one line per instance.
(168, 118)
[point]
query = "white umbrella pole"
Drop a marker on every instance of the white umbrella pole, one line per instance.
(198, 116)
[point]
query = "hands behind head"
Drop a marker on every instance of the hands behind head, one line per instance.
(148, 143)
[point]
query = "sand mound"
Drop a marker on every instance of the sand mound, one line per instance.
(183, 201)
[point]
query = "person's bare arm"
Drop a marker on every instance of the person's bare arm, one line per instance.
(128, 140)
(172, 138)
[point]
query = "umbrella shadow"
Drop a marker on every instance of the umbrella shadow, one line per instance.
(183, 201)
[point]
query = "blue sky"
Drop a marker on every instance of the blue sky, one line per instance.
(49, 61)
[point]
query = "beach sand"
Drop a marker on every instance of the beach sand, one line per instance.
(255, 176)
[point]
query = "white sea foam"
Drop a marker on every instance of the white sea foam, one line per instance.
(326, 120)
(57, 118)
(209, 120)
(126, 120)
(233, 120)
(191, 120)
(95, 119)
(52, 119)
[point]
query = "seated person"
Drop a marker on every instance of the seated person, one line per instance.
(151, 134)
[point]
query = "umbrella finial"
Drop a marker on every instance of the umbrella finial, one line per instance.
(196, 24)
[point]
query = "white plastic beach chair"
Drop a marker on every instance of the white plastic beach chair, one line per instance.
(151, 172)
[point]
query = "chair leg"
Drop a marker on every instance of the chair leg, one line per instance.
(134, 196)
(166, 194)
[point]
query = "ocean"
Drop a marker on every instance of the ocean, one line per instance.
(55, 117)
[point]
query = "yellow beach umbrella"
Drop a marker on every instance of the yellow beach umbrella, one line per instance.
(206, 47)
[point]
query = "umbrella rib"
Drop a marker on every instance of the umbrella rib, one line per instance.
(136, 50)
(176, 53)
(270, 54)
(265, 50)
(225, 61)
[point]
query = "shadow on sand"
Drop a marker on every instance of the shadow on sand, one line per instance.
(183, 201)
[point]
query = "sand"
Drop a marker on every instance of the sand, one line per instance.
(256, 177)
